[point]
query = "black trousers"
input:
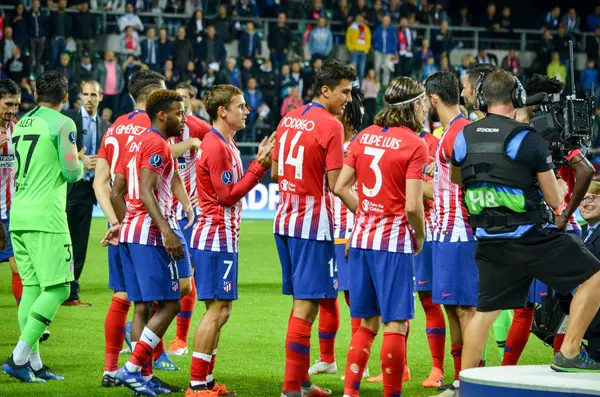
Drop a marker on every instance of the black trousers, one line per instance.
(80, 204)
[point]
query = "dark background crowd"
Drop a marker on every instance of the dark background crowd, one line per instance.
(273, 61)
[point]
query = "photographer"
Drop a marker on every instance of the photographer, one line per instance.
(505, 168)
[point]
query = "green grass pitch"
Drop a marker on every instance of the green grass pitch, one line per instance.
(251, 353)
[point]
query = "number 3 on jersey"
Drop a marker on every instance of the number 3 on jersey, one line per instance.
(295, 161)
(377, 155)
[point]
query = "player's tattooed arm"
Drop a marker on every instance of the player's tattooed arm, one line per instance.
(117, 196)
(343, 187)
(148, 184)
(70, 166)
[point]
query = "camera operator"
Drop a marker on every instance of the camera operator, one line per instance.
(469, 83)
(577, 175)
(503, 166)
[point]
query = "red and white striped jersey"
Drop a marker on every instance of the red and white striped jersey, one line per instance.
(124, 130)
(222, 185)
(308, 144)
(186, 164)
(451, 213)
(428, 205)
(149, 151)
(7, 172)
(568, 175)
(343, 218)
(384, 158)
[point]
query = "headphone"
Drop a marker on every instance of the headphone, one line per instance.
(518, 94)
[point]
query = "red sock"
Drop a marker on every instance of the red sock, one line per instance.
(354, 322)
(393, 355)
(329, 322)
(297, 354)
(456, 352)
(201, 364)
(141, 353)
(558, 341)
(435, 327)
(114, 332)
(184, 318)
(358, 356)
(213, 360)
(17, 287)
(518, 335)
(147, 368)
(158, 350)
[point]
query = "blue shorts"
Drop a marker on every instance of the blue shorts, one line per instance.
(116, 278)
(216, 275)
(424, 267)
(184, 266)
(308, 267)
(537, 291)
(342, 267)
(8, 252)
(382, 283)
(150, 273)
(187, 233)
(455, 274)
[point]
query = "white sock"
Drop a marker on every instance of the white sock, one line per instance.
(209, 378)
(131, 367)
(149, 337)
(133, 346)
(214, 352)
(456, 384)
(21, 353)
(110, 373)
(36, 361)
(147, 378)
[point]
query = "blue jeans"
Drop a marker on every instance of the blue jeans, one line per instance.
(57, 47)
(359, 60)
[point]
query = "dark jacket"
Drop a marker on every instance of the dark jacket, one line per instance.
(183, 52)
(220, 51)
(244, 45)
(100, 75)
(85, 26)
(593, 243)
(279, 38)
(42, 25)
(164, 51)
(53, 22)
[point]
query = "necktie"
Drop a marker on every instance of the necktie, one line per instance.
(589, 233)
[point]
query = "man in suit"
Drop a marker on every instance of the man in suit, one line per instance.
(149, 47)
(80, 195)
(590, 211)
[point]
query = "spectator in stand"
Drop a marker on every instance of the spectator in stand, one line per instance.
(393, 9)
(320, 41)
(358, 42)
(246, 9)
(409, 8)
(37, 25)
(85, 70)
(406, 38)
(174, 7)
(164, 48)
(211, 48)
(255, 101)
(445, 64)
(313, 13)
(131, 66)
(506, 19)
(250, 44)
(18, 66)
(557, 69)
(296, 76)
(196, 26)
(27, 97)
(561, 45)
(429, 69)
(129, 43)
(571, 22)
(379, 10)
(149, 51)
(437, 14)
(385, 47)
(464, 18)
(85, 29)
(292, 101)
(18, 22)
(130, 19)
(371, 86)
(267, 82)
(168, 66)
(229, 74)
(113, 5)
(279, 39)
(443, 42)
(308, 78)
(465, 63)
(61, 30)
(551, 19)
(6, 46)
(224, 25)
(65, 67)
(484, 57)
(491, 19)
(110, 76)
(593, 44)
(424, 54)
(593, 20)
(589, 77)
(107, 115)
(545, 50)
(285, 81)
(342, 13)
(368, 13)
(511, 63)
(208, 78)
(247, 72)
(422, 15)
(171, 80)
(183, 51)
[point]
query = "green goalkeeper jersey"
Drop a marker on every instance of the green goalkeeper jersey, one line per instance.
(46, 159)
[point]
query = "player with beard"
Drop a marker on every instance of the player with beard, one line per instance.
(146, 177)
(577, 176)
(10, 99)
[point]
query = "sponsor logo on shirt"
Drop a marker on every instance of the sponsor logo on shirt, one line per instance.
(482, 129)
(367, 206)
(7, 161)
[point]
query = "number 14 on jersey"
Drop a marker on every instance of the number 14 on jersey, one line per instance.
(296, 160)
